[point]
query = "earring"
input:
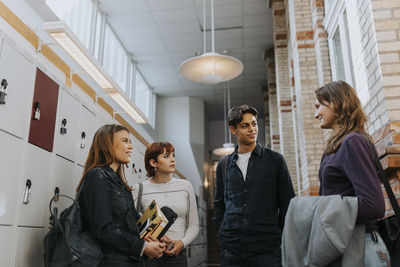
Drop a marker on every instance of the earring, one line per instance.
(155, 169)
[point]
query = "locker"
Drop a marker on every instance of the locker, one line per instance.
(141, 168)
(67, 127)
(14, 114)
(37, 163)
(5, 245)
(45, 99)
(138, 160)
(65, 176)
(129, 171)
(89, 125)
(29, 247)
(10, 162)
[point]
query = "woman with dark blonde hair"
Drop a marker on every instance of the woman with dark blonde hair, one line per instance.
(106, 204)
(347, 166)
(176, 194)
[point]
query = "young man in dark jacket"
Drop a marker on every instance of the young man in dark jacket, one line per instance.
(253, 192)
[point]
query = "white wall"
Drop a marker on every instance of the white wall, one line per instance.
(180, 121)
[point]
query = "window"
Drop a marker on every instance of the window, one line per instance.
(115, 58)
(339, 67)
(77, 14)
(339, 46)
(98, 36)
(142, 95)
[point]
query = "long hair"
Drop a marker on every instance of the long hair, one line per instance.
(152, 153)
(101, 153)
(347, 109)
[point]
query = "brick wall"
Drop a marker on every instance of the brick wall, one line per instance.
(308, 75)
(386, 127)
(272, 101)
(283, 89)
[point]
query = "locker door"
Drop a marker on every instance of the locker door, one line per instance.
(14, 113)
(29, 247)
(129, 171)
(134, 171)
(141, 169)
(6, 239)
(10, 162)
(45, 98)
(65, 176)
(89, 125)
(37, 163)
(67, 127)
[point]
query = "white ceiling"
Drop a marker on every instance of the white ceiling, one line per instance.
(161, 34)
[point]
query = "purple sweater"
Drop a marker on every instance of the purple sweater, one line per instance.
(351, 171)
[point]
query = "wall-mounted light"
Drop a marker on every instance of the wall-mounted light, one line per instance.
(70, 43)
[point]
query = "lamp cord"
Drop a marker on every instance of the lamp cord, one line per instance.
(204, 26)
(225, 126)
(229, 108)
(212, 26)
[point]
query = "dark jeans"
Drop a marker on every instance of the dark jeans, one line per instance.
(169, 261)
(120, 261)
(230, 259)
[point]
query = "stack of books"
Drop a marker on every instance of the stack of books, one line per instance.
(152, 222)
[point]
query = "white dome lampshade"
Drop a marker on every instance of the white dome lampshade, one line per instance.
(211, 68)
(226, 149)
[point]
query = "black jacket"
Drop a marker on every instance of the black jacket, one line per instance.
(250, 218)
(108, 210)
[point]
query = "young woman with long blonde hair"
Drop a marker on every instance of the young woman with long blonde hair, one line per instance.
(106, 204)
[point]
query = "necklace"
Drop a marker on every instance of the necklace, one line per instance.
(158, 181)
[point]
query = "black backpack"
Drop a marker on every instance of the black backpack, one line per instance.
(66, 244)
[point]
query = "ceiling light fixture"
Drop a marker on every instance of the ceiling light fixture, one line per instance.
(211, 68)
(228, 147)
(70, 43)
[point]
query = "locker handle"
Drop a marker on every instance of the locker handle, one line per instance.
(56, 194)
(36, 115)
(27, 193)
(63, 129)
(3, 91)
(4, 85)
(83, 140)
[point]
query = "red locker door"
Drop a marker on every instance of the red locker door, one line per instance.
(45, 99)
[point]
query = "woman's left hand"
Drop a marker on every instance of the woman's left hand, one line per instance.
(178, 246)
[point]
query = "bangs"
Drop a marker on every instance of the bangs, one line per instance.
(162, 147)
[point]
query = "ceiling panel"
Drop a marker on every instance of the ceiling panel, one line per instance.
(256, 8)
(127, 20)
(123, 6)
(169, 4)
(185, 47)
(177, 15)
(257, 20)
(135, 31)
(179, 27)
(183, 38)
(161, 34)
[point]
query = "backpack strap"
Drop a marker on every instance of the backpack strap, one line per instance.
(139, 198)
(385, 181)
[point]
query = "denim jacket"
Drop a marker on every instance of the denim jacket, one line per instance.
(249, 213)
(108, 210)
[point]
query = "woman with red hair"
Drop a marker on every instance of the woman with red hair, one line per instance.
(174, 193)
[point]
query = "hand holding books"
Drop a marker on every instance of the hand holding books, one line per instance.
(155, 222)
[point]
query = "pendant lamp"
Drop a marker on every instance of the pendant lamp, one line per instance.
(228, 147)
(211, 67)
